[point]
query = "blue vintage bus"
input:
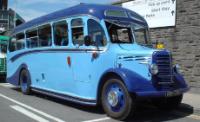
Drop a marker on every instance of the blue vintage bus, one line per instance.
(94, 54)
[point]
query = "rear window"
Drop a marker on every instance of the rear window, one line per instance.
(115, 13)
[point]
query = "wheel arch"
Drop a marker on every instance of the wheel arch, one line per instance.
(14, 78)
(23, 67)
(132, 80)
(102, 81)
(113, 73)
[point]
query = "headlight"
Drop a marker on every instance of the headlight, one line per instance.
(154, 69)
(177, 68)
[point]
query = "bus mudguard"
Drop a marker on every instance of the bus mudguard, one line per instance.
(14, 78)
(133, 81)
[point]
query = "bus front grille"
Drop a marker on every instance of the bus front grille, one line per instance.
(164, 62)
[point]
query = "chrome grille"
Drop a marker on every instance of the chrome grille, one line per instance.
(164, 62)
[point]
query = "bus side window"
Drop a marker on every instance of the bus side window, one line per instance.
(44, 35)
(77, 31)
(61, 33)
(96, 32)
(3, 48)
(32, 38)
(20, 41)
(12, 44)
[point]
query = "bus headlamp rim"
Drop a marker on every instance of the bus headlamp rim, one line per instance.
(153, 69)
(177, 68)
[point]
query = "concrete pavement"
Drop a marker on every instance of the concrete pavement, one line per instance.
(192, 99)
(23, 108)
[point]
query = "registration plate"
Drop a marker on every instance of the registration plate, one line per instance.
(173, 93)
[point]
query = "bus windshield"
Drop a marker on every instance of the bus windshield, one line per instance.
(125, 32)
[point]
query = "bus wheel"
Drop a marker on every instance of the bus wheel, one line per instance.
(115, 99)
(25, 82)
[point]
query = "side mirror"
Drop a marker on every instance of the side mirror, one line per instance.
(87, 40)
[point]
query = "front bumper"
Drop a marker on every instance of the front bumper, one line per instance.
(164, 93)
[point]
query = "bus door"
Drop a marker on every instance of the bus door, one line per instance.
(87, 58)
(60, 73)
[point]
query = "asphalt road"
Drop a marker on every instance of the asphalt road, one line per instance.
(16, 107)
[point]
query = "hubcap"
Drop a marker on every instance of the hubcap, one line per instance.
(113, 98)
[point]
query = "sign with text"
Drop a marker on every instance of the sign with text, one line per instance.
(158, 13)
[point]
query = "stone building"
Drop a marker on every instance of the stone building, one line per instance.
(183, 39)
(8, 18)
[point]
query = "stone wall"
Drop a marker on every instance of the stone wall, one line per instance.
(184, 39)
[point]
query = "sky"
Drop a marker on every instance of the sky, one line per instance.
(30, 9)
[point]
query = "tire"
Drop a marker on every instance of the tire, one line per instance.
(168, 103)
(25, 82)
(115, 99)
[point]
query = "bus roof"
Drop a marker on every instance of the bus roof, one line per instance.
(95, 10)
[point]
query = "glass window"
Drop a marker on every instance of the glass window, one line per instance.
(96, 33)
(12, 44)
(119, 33)
(44, 35)
(116, 13)
(16, 42)
(141, 34)
(61, 33)
(77, 23)
(77, 32)
(32, 38)
(20, 41)
(3, 48)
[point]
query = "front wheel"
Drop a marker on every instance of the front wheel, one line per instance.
(115, 99)
(25, 82)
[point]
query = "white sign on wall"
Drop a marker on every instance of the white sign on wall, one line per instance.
(158, 13)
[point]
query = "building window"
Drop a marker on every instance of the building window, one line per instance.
(61, 33)
(77, 32)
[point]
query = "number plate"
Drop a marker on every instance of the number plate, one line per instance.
(173, 93)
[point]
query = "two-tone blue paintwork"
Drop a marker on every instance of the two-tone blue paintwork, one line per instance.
(81, 80)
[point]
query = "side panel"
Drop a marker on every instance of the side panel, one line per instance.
(49, 69)
(13, 68)
(55, 74)
(87, 69)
